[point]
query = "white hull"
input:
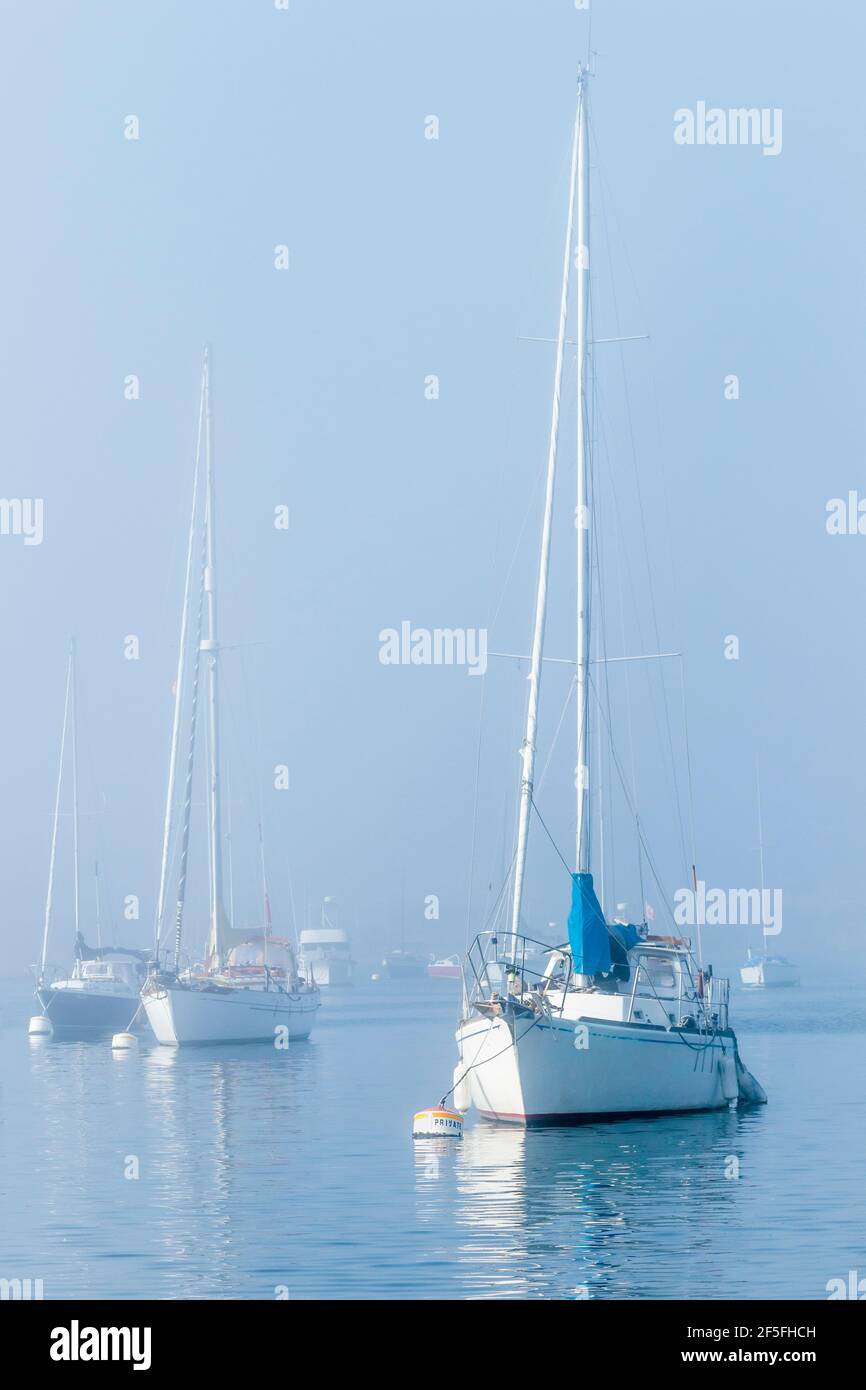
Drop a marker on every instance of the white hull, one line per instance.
(624, 1069)
(326, 972)
(769, 974)
(179, 1015)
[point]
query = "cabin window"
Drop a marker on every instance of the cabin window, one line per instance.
(659, 970)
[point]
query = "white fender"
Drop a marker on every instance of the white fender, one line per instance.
(728, 1073)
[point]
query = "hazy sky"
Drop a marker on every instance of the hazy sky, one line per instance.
(410, 257)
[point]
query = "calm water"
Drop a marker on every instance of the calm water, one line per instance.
(260, 1169)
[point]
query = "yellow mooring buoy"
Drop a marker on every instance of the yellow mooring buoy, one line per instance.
(437, 1123)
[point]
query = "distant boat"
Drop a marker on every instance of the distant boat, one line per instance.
(768, 972)
(448, 968)
(763, 971)
(100, 994)
(325, 954)
(404, 965)
(248, 988)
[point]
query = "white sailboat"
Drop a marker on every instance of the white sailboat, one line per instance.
(248, 988)
(763, 970)
(616, 1022)
(100, 994)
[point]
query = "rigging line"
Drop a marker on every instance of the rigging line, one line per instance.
(609, 202)
(52, 861)
(475, 794)
(622, 567)
(597, 543)
(256, 722)
(639, 495)
(572, 686)
(641, 837)
(490, 626)
(691, 799)
(503, 887)
(550, 837)
(599, 440)
(633, 809)
(84, 733)
(190, 768)
(672, 770)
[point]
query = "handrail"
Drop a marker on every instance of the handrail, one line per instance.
(498, 960)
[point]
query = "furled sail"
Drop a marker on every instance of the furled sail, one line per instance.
(587, 930)
(589, 935)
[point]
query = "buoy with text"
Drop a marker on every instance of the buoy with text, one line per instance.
(437, 1123)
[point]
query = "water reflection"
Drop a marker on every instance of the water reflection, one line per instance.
(578, 1213)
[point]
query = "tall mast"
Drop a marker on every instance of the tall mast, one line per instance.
(760, 846)
(190, 771)
(582, 516)
(210, 647)
(528, 748)
(49, 895)
(178, 687)
(98, 903)
(76, 872)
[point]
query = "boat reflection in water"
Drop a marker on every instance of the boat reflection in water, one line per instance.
(589, 1212)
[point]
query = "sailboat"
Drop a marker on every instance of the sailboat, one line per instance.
(100, 994)
(247, 988)
(403, 964)
(763, 970)
(615, 1021)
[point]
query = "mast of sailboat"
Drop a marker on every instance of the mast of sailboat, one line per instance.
(52, 860)
(76, 868)
(179, 686)
(582, 515)
(529, 740)
(98, 903)
(210, 647)
(760, 847)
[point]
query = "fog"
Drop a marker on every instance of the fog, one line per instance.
(411, 258)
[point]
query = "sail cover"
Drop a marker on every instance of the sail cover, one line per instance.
(587, 931)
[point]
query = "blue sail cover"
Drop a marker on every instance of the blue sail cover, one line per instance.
(587, 932)
(624, 933)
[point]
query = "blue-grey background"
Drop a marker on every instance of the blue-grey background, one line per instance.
(411, 257)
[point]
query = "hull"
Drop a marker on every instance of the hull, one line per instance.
(444, 972)
(769, 975)
(327, 972)
(533, 1073)
(86, 1011)
(405, 969)
(180, 1016)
